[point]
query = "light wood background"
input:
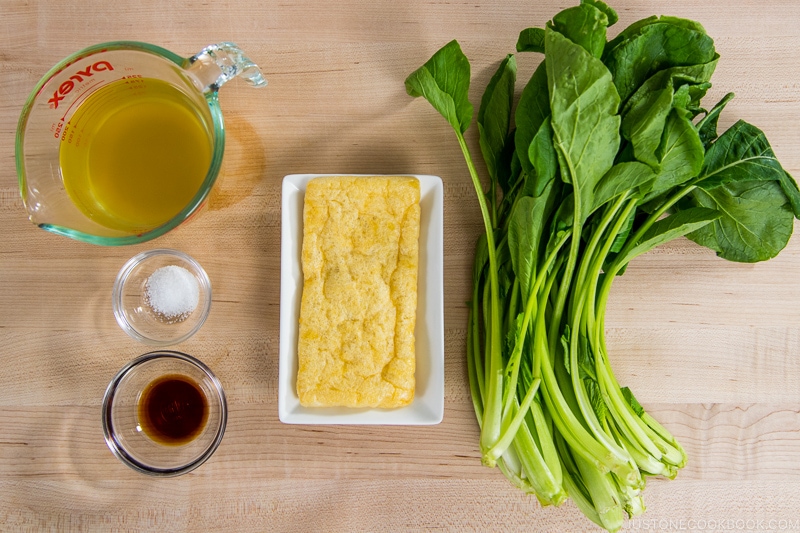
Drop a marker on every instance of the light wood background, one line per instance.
(711, 348)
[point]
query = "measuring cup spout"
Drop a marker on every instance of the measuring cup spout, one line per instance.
(218, 63)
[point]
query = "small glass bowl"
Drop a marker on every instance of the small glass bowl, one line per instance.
(122, 427)
(135, 316)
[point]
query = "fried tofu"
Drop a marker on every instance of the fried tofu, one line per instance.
(360, 260)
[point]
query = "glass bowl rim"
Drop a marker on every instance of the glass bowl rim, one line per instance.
(119, 450)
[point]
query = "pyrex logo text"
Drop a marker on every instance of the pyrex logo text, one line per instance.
(66, 87)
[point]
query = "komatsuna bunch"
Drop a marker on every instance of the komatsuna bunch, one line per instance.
(607, 154)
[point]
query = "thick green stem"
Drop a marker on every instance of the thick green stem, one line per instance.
(604, 495)
(530, 309)
(579, 297)
(564, 286)
(493, 404)
(510, 431)
(615, 267)
(572, 429)
(545, 481)
(666, 450)
(513, 304)
(620, 410)
(476, 343)
(475, 382)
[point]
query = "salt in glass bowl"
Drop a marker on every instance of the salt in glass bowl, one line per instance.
(123, 429)
(132, 311)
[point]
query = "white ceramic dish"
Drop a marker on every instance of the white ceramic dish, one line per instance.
(428, 405)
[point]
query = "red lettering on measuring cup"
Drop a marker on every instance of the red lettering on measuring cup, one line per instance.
(78, 76)
(66, 87)
(55, 100)
(104, 64)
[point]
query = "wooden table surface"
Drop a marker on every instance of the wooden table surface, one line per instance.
(711, 348)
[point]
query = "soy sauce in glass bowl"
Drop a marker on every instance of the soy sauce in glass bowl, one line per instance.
(173, 410)
(164, 414)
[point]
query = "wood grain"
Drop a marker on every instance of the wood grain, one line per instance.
(709, 347)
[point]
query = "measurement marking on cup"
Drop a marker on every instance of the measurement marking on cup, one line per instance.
(83, 96)
(66, 87)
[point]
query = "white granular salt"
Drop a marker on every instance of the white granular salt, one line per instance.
(172, 292)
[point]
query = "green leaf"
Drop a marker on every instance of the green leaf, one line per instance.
(622, 237)
(620, 178)
(584, 103)
(611, 15)
(525, 229)
(680, 154)
(444, 82)
(481, 258)
(596, 399)
(565, 348)
(627, 34)
(696, 94)
(789, 186)
(542, 156)
(584, 25)
(523, 242)
(631, 399)
(707, 127)
(645, 113)
(532, 109)
(652, 45)
(743, 153)
(505, 270)
(688, 96)
(511, 339)
(531, 40)
(494, 115)
(644, 126)
(586, 367)
(507, 166)
(756, 220)
(671, 227)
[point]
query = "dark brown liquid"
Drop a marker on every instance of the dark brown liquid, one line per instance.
(173, 410)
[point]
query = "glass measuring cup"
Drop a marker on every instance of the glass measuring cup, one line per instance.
(65, 153)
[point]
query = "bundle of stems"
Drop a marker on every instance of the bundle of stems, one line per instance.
(606, 155)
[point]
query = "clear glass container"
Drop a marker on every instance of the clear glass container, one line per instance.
(44, 127)
(125, 430)
(135, 315)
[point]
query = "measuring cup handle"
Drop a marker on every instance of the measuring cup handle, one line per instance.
(218, 63)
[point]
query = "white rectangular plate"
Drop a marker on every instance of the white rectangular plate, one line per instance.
(428, 405)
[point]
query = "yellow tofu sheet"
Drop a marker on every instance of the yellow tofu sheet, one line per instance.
(358, 310)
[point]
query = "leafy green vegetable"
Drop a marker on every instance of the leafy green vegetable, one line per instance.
(532, 110)
(494, 115)
(646, 111)
(755, 223)
(707, 127)
(584, 103)
(444, 82)
(620, 178)
(608, 155)
(611, 15)
(531, 40)
(653, 45)
(670, 228)
(741, 154)
(680, 154)
(584, 25)
(542, 155)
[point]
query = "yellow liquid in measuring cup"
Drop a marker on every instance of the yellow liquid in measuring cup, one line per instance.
(134, 154)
